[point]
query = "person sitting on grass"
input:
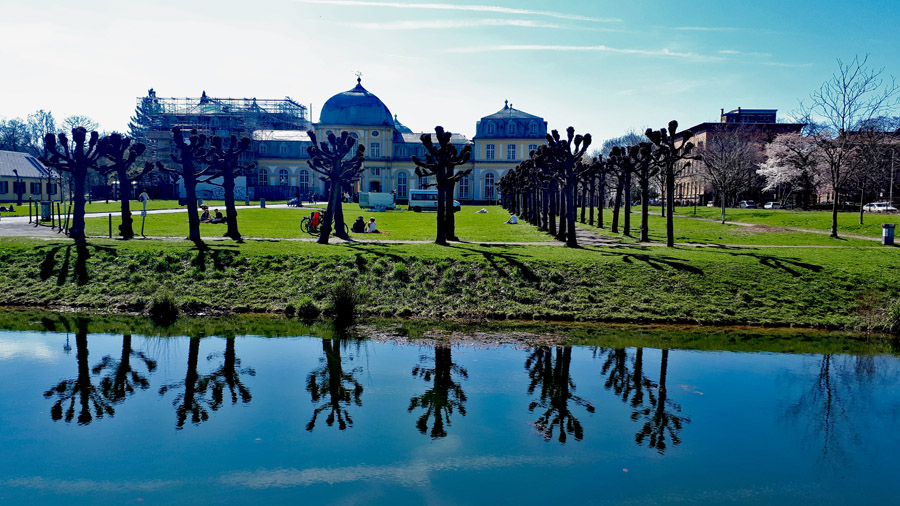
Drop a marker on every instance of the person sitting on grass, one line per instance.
(204, 216)
(372, 228)
(359, 226)
(513, 220)
(219, 218)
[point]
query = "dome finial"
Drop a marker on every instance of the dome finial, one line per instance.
(358, 77)
(506, 104)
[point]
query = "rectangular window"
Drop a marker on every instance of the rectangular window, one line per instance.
(4, 186)
(532, 147)
(488, 151)
(510, 151)
(375, 150)
(375, 171)
(51, 188)
(35, 188)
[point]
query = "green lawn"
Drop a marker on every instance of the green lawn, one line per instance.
(848, 222)
(285, 224)
(844, 287)
(708, 232)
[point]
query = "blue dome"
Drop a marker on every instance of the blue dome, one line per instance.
(356, 107)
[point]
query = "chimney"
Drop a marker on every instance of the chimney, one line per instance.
(721, 115)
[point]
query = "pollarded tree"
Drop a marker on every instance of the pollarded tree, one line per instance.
(225, 163)
(441, 162)
(122, 153)
(330, 160)
(191, 156)
(77, 159)
(645, 170)
(672, 157)
(563, 154)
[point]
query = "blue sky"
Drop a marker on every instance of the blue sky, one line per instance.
(601, 66)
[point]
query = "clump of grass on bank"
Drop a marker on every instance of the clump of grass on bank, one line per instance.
(777, 286)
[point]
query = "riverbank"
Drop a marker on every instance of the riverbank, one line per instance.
(846, 288)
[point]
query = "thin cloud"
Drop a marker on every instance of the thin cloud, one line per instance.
(452, 24)
(587, 49)
(453, 7)
(745, 53)
(706, 28)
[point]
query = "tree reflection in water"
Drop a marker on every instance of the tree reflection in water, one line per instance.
(202, 393)
(123, 377)
(556, 390)
(660, 416)
(826, 410)
(337, 387)
(90, 400)
(444, 395)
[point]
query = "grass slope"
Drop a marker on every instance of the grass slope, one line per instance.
(847, 287)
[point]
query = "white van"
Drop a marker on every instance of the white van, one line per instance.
(426, 200)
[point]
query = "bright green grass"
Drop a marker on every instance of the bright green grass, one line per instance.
(848, 222)
(284, 223)
(709, 232)
(842, 287)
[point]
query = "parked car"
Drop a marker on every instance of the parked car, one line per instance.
(747, 204)
(426, 200)
(772, 205)
(879, 207)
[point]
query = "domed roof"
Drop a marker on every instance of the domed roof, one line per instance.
(356, 107)
(400, 127)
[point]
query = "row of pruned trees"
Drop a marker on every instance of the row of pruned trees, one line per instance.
(545, 189)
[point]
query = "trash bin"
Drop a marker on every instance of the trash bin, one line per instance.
(47, 211)
(262, 202)
(887, 233)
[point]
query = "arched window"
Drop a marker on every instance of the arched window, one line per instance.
(402, 185)
(489, 186)
(263, 177)
(511, 128)
(283, 177)
(491, 128)
(532, 128)
(464, 188)
(304, 182)
(263, 149)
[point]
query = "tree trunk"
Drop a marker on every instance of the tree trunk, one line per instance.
(126, 229)
(670, 207)
(645, 207)
(834, 215)
(563, 216)
(441, 211)
(571, 238)
(601, 202)
(627, 192)
(334, 198)
(616, 206)
(76, 231)
(449, 218)
(592, 195)
(552, 205)
(190, 193)
(862, 200)
(583, 201)
(230, 208)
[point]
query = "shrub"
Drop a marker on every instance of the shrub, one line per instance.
(163, 310)
(306, 309)
(344, 297)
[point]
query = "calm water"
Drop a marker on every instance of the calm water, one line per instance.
(113, 419)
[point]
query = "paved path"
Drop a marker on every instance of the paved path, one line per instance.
(791, 229)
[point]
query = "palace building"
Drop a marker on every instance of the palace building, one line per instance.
(502, 140)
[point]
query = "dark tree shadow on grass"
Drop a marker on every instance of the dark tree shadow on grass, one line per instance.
(78, 267)
(511, 259)
(217, 254)
(658, 262)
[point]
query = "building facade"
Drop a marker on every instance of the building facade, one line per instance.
(691, 187)
(502, 140)
(23, 178)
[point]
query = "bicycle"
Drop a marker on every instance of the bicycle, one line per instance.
(312, 224)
